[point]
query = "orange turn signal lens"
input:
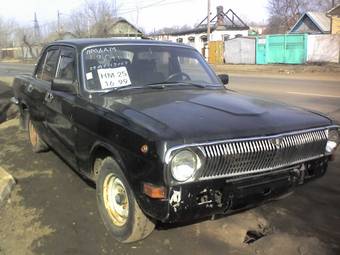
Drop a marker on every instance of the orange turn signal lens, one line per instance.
(154, 191)
(144, 148)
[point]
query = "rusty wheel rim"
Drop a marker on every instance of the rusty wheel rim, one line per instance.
(116, 200)
(32, 134)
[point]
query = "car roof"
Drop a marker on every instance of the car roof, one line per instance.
(86, 42)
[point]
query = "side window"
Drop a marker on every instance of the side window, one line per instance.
(41, 62)
(66, 65)
(48, 65)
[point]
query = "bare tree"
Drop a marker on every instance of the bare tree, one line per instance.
(101, 15)
(7, 35)
(93, 18)
(79, 24)
(25, 39)
(283, 14)
(324, 5)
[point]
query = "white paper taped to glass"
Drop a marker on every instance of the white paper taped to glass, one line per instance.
(113, 77)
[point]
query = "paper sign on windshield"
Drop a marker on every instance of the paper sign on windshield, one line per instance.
(113, 77)
(89, 76)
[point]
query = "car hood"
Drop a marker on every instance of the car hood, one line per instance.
(208, 114)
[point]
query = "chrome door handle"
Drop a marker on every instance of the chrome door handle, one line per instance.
(14, 100)
(29, 88)
(49, 97)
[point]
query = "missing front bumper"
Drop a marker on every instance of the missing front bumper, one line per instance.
(223, 196)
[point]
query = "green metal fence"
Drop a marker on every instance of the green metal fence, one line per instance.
(282, 49)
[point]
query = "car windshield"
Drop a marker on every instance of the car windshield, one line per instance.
(115, 66)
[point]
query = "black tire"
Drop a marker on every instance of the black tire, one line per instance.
(38, 145)
(133, 226)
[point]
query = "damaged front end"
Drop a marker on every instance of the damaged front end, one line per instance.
(208, 198)
(222, 177)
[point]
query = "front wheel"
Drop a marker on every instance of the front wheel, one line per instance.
(117, 205)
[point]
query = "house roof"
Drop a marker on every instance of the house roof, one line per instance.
(319, 19)
(203, 29)
(120, 19)
(334, 11)
(230, 21)
(197, 30)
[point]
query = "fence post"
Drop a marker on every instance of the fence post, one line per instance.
(285, 48)
(306, 47)
(266, 47)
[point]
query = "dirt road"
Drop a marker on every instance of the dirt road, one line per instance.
(53, 211)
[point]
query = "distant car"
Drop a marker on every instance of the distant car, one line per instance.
(161, 136)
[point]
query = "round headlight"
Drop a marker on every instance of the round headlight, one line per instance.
(183, 165)
(333, 140)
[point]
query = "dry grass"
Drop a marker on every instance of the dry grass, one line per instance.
(7, 80)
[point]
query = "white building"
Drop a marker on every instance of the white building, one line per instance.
(224, 26)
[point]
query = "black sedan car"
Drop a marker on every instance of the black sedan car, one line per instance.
(161, 136)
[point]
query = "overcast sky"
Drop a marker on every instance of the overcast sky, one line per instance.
(152, 14)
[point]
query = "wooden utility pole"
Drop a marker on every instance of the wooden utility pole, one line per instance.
(208, 22)
(36, 31)
(88, 28)
(58, 22)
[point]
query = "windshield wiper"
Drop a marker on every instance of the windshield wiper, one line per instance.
(131, 87)
(177, 83)
(156, 85)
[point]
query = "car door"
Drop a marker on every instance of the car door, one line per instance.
(60, 105)
(38, 86)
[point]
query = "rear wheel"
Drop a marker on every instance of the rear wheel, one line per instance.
(117, 205)
(38, 145)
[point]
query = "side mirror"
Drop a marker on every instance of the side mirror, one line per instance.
(224, 78)
(64, 86)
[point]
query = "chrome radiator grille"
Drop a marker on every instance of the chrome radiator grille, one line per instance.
(251, 156)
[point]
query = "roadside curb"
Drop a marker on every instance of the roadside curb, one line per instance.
(6, 185)
(311, 77)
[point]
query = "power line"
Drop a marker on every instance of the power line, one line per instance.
(143, 7)
(126, 11)
(131, 4)
(208, 22)
(159, 3)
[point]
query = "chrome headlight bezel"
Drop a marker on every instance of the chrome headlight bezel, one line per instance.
(333, 140)
(184, 164)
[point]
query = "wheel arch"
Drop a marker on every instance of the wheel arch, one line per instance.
(24, 115)
(101, 150)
